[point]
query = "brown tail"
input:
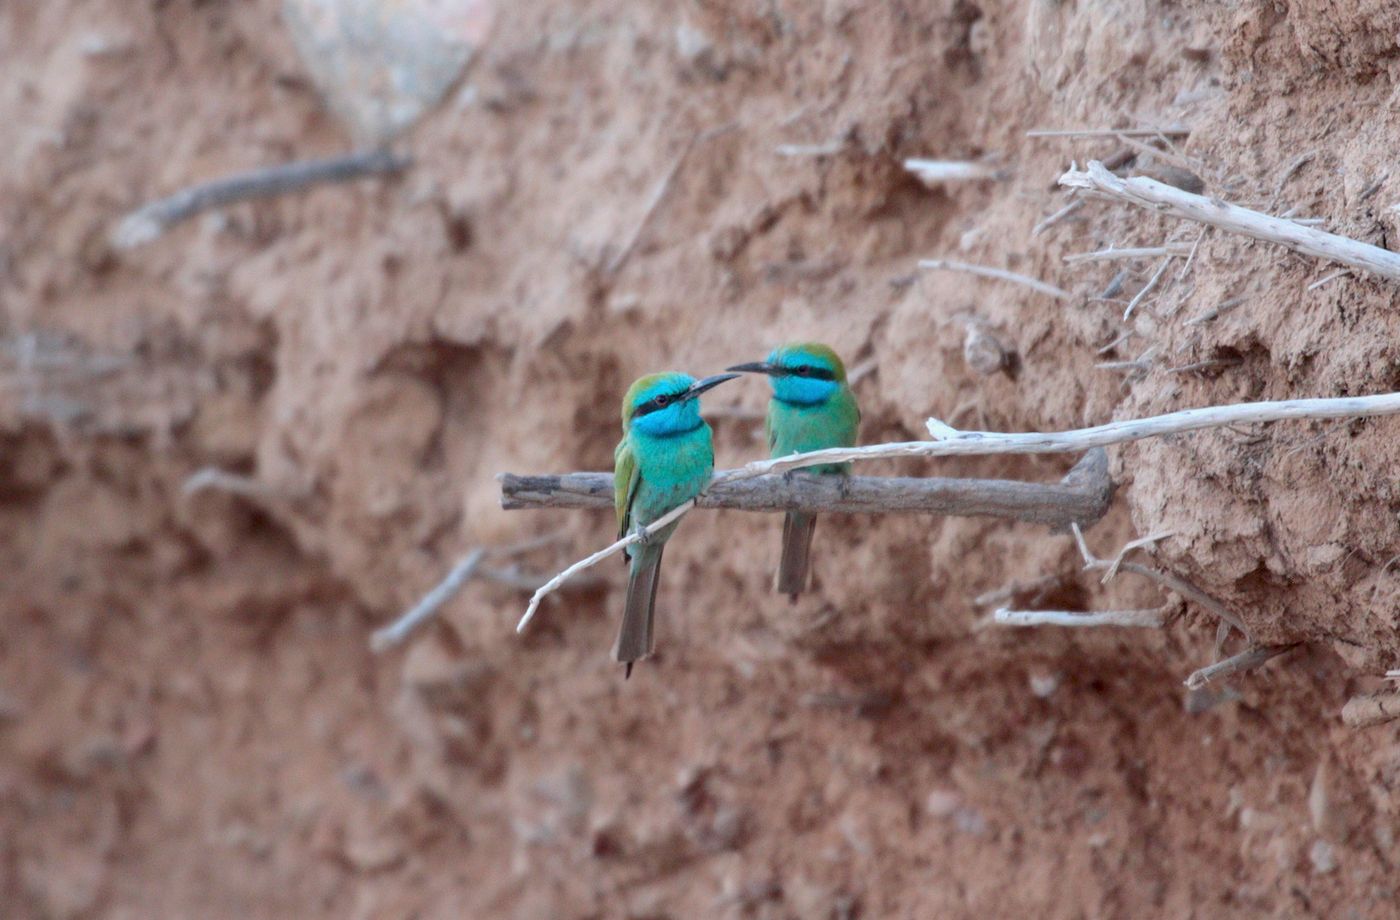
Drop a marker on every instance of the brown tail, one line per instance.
(797, 548)
(634, 638)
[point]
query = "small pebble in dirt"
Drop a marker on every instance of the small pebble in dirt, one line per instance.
(1044, 686)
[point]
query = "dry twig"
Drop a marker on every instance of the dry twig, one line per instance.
(151, 220)
(1247, 660)
(949, 442)
(1156, 196)
(1153, 618)
(658, 195)
(638, 535)
(1058, 216)
(398, 631)
(937, 172)
(1331, 276)
(1174, 131)
(1147, 288)
(1081, 497)
(999, 274)
(1148, 252)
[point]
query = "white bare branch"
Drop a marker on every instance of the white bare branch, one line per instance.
(952, 443)
(1174, 131)
(1165, 199)
(999, 274)
(1153, 618)
(637, 536)
(937, 172)
(1145, 252)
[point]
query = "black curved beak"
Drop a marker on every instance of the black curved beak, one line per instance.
(707, 383)
(757, 367)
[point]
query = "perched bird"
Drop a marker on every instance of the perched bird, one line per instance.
(664, 459)
(812, 408)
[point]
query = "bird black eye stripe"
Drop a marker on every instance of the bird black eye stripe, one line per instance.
(816, 373)
(657, 403)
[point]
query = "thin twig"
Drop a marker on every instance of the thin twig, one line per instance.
(1000, 274)
(658, 195)
(1128, 547)
(1166, 156)
(1058, 216)
(636, 536)
(1115, 343)
(1191, 257)
(1147, 288)
(1153, 618)
(1215, 312)
(211, 477)
(1170, 582)
(937, 172)
(1156, 196)
(830, 148)
(466, 568)
(1082, 496)
(1331, 276)
(395, 633)
(1007, 592)
(1148, 252)
(976, 443)
(1175, 131)
(1205, 365)
(1247, 660)
(153, 219)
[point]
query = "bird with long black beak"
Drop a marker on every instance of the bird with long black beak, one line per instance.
(812, 408)
(665, 458)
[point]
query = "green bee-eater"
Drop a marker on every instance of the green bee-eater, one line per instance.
(812, 408)
(664, 459)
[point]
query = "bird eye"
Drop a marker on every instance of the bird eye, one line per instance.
(803, 370)
(663, 400)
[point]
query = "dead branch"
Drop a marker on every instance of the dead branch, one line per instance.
(1058, 216)
(466, 568)
(1184, 588)
(830, 148)
(1165, 199)
(1153, 618)
(395, 633)
(1365, 711)
(998, 274)
(641, 533)
(1330, 276)
(1081, 497)
(1147, 288)
(937, 172)
(1148, 252)
(153, 219)
(211, 478)
(1247, 660)
(1174, 131)
(658, 194)
(950, 442)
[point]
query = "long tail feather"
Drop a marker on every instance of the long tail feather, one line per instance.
(794, 564)
(634, 638)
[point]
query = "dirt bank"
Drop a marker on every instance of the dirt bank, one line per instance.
(190, 720)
